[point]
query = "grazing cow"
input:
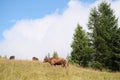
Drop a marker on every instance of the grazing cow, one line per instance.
(56, 61)
(35, 59)
(12, 57)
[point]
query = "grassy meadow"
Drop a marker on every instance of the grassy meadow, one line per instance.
(36, 70)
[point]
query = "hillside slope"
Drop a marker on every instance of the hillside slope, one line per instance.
(35, 70)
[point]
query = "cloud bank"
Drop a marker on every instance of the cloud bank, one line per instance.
(54, 32)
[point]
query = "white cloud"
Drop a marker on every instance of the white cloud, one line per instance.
(28, 38)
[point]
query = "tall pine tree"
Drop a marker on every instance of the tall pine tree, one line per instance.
(105, 36)
(81, 52)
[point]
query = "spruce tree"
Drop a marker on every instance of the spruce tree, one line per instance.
(80, 47)
(114, 58)
(104, 31)
(55, 54)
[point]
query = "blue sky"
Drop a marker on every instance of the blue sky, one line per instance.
(12, 10)
(37, 27)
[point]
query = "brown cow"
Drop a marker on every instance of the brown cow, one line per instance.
(56, 61)
(35, 59)
(12, 57)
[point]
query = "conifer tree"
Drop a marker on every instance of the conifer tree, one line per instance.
(105, 36)
(80, 47)
(55, 54)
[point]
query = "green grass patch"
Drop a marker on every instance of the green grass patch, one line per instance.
(36, 70)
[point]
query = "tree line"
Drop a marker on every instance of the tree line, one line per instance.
(54, 55)
(100, 47)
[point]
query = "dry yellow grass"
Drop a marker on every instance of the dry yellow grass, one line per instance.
(35, 70)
